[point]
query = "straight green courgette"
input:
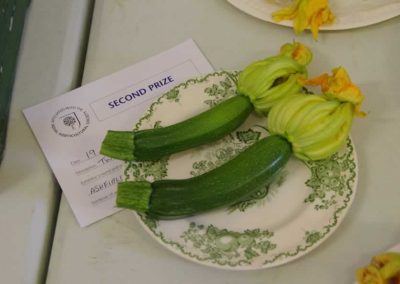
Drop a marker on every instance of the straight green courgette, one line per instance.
(153, 144)
(259, 86)
(233, 181)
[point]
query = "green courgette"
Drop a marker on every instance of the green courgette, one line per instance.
(233, 181)
(153, 144)
(259, 86)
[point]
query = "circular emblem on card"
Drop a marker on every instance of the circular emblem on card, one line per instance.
(70, 121)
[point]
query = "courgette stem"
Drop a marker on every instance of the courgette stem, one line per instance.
(119, 145)
(134, 195)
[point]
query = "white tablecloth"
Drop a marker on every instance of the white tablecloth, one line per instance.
(118, 250)
(49, 64)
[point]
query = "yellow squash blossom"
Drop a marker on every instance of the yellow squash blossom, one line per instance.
(339, 86)
(383, 269)
(317, 126)
(306, 14)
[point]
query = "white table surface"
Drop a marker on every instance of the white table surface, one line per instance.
(118, 250)
(49, 64)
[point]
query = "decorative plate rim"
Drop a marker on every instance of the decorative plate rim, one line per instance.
(336, 217)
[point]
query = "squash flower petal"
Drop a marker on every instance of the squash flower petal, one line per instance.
(339, 86)
(306, 14)
(297, 51)
(267, 81)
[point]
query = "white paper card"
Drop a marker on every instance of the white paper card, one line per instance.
(71, 127)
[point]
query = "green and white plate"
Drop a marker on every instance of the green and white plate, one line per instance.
(349, 14)
(282, 222)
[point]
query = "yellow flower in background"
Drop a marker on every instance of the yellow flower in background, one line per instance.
(339, 86)
(306, 14)
(383, 269)
(369, 275)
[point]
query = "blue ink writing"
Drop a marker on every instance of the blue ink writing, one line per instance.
(140, 92)
(161, 83)
(127, 98)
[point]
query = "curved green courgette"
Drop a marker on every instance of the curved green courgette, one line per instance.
(153, 144)
(229, 183)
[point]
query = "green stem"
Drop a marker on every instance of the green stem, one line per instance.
(119, 145)
(134, 195)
